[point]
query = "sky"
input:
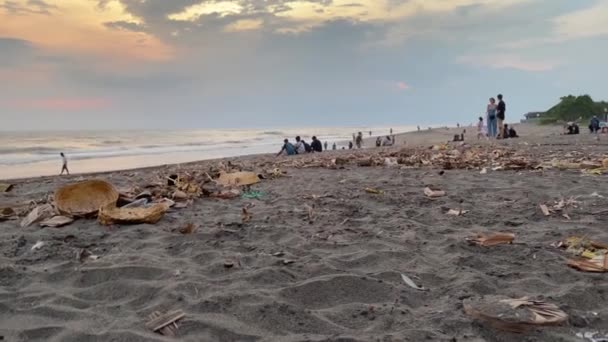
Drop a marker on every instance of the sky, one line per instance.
(184, 64)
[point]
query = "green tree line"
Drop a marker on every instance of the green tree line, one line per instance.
(573, 108)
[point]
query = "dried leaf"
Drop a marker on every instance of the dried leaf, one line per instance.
(492, 239)
(433, 193)
(594, 265)
(4, 187)
(409, 282)
(57, 221)
(374, 191)
(245, 215)
(459, 212)
(38, 214)
(189, 228)
(110, 214)
(545, 210)
(238, 178)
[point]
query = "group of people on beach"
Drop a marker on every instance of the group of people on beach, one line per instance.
(494, 127)
(302, 147)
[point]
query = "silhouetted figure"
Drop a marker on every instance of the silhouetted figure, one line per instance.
(65, 164)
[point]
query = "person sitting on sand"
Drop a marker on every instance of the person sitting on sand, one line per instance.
(512, 132)
(350, 145)
(316, 145)
(65, 164)
(387, 141)
(300, 145)
(594, 124)
(287, 148)
(378, 142)
(572, 128)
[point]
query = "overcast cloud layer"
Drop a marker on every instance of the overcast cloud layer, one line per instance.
(104, 64)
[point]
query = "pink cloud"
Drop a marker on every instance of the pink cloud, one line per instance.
(67, 104)
(403, 86)
(509, 62)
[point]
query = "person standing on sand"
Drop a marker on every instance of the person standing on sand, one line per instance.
(491, 118)
(325, 145)
(501, 109)
(359, 140)
(481, 129)
(334, 147)
(65, 164)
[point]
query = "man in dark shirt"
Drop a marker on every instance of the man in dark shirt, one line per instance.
(316, 145)
(500, 115)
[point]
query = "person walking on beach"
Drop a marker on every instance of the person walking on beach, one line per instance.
(359, 140)
(287, 148)
(65, 164)
(500, 115)
(325, 145)
(491, 118)
(316, 145)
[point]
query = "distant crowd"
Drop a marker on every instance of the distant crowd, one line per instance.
(302, 147)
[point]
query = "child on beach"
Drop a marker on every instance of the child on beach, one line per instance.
(481, 129)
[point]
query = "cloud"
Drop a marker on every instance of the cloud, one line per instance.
(244, 25)
(403, 86)
(585, 23)
(125, 25)
(64, 104)
(504, 61)
(30, 7)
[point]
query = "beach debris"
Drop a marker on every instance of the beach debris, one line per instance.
(56, 221)
(110, 214)
(245, 215)
(278, 254)
(144, 194)
(252, 194)
(85, 198)
(596, 195)
(38, 214)
(288, 262)
(433, 193)
(165, 324)
(171, 180)
(454, 212)
(483, 171)
(391, 162)
(228, 263)
(5, 187)
(142, 202)
(189, 228)
(238, 178)
(179, 195)
(310, 210)
(84, 255)
(7, 213)
(409, 282)
(488, 240)
(592, 256)
(227, 194)
(545, 210)
(592, 336)
(514, 315)
(374, 191)
(38, 245)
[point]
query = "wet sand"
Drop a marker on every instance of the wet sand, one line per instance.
(335, 277)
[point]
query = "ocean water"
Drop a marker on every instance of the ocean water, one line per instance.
(30, 154)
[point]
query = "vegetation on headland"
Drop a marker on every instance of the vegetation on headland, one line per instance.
(573, 108)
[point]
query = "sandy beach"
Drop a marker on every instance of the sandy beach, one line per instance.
(321, 257)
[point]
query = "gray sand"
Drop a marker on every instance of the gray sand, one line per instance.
(344, 283)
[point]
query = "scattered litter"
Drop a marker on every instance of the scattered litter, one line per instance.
(189, 228)
(238, 178)
(228, 264)
(592, 255)
(409, 282)
(492, 239)
(391, 162)
(165, 324)
(545, 210)
(459, 212)
(483, 171)
(245, 215)
(177, 273)
(566, 216)
(278, 254)
(7, 213)
(110, 214)
(374, 191)
(57, 221)
(288, 262)
(85, 198)
(84, 254)
(4, 187)
(38, 245)
(595, 194)
(137, 203)
(433, 193)
(38, 214)
(179, 195)
(514, 315)
(227, 194)
(592, 336)
(252, 194)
